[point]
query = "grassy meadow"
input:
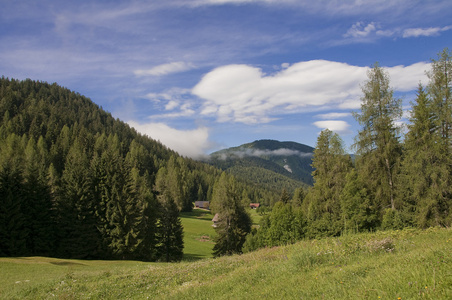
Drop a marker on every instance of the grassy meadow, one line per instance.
(198, 234)
(407, 264)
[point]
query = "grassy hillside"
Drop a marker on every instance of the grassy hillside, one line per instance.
(408, 264)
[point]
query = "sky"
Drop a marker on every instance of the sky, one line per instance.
(203, 75)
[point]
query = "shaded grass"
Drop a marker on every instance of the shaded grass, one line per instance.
(255, 217)
(409, 264)
(198, 234)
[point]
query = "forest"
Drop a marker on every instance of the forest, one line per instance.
(395, 181)
(77, 183)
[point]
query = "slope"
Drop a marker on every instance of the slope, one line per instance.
(382, 265)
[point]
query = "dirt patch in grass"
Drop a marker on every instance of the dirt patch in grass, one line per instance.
(204, 238)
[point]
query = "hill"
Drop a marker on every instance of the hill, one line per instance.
(77, 183)
(407, 264)
(268, 163)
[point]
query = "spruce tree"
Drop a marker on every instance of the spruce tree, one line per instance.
(77, 226)
(420, 162)
(358, 212)
(234, 222)
(169, 230)
(331, 164)
(37, 198)
(13, 230)
(439, 209)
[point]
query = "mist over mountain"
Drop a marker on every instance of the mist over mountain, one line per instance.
(270, 162)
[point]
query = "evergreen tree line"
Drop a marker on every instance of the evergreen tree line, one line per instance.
(76, 183)
(395, 180)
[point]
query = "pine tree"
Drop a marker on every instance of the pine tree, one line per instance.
(377, 144)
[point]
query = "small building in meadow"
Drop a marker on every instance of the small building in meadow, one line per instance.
(202, 204)
(254, 205)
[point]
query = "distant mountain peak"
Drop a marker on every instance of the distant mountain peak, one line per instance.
(288, 159)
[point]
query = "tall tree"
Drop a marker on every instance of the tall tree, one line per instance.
(169, 230)
(37, 200)
(13, 234)
(78, 233)
(377, 144)
(439, 210)
(234, 222)
(331, 164)
(358, 212)
(420, 161)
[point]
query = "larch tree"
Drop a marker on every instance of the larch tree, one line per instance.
(377, 144)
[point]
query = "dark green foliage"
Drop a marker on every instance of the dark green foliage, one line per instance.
(285, 225)
(359, 213)
(12, 220)
(322, 205)
(37, 200)
(77, 183)
(234, 222)
(169, 230)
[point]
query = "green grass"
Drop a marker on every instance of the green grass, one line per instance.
(198, 234)
(255, 217)
(408, 264)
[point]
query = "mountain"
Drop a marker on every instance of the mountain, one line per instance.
(77, 183)
(269, 163)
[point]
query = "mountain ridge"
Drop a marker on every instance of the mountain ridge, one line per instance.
(284, 164)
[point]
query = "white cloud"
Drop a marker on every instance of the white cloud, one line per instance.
(192, 143)
(165, 69)
(360, 30)
(407, 78)
(242, 93)
(174, 100)
(334, 115)
(257, 152)
(431, 31)
(340, 127)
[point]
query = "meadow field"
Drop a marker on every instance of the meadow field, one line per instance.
(407, 264)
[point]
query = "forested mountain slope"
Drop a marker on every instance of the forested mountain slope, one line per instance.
(75, 182)
(268, 162)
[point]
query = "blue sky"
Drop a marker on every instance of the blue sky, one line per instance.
(202, 75)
